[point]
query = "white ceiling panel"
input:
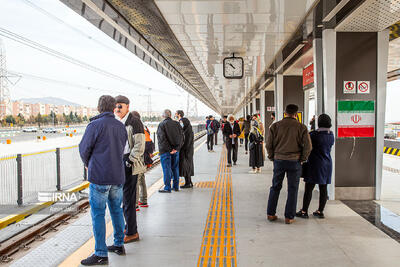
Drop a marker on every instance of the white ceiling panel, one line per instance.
(253, 29)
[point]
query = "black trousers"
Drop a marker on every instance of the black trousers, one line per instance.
(188, 180)
(323, 196)
(216, 138)
(246, 141)
(210, 141)
(129, 201)
(232, 150)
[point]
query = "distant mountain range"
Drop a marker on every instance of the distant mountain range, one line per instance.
(49, 100)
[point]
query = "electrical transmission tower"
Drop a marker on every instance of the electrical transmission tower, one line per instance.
(5, 99)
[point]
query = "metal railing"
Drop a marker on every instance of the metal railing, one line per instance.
(22, 176)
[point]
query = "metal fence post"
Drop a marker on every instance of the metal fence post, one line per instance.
(58, 168)
(154, 137)
(19, 180)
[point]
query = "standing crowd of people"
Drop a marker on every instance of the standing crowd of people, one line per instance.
(294, 150)
(117, 150)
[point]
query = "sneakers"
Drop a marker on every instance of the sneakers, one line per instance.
(117, 250)
(258, 170)
(253, 171)
(95, 260)
(143, 205)
(302, 214)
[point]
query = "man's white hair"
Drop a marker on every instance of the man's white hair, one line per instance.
(231, 116)
(167, 114)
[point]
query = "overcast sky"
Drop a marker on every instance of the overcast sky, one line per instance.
(79, 39)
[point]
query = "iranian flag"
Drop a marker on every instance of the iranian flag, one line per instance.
(356, 119)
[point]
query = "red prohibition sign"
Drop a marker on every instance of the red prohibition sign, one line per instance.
(363, 87)
(349, 86)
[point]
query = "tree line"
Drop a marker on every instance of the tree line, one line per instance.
(51, 119)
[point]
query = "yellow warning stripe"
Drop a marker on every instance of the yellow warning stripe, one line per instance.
(86, 249)
(391, 151)
(219, 244)
(13, 218)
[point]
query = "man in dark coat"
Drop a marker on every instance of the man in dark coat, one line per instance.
(288, 146)
(170, 140)
(231, 132)
(186, 166)
(101, 150)
(217, 126)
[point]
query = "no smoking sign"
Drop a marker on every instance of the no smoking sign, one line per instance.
(349, 87)
(363, 87)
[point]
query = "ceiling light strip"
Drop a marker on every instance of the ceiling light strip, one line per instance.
(100, 12)
(335, 10)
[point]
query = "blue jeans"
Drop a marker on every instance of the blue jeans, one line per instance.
(293, 171)
(99, 196)
(170, 166)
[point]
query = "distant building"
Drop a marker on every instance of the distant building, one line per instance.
(27, 110)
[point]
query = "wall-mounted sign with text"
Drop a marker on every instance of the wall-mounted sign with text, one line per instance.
(308, 77)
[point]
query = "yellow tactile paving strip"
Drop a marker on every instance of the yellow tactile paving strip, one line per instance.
(218, 248)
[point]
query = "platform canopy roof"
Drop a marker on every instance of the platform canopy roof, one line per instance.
(187, 40)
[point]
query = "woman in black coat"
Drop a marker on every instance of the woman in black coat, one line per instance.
(186, 166)
(256, 160)
(318, 168)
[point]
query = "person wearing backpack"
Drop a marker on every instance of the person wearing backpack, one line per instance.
(256, 159)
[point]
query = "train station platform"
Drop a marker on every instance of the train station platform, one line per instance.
(222, 222)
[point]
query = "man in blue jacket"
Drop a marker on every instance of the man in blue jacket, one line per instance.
(102, 150)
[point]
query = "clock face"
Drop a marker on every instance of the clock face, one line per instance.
(233, 67)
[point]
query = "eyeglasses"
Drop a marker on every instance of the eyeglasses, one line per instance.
(119, 106)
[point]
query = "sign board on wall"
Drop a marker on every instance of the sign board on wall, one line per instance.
(363, 87)
(308, 77)
(349, 87)
(355, 119)
(271, 109)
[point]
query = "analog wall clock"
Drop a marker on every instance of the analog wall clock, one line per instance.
(233, 67)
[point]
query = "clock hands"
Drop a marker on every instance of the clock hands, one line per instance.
(231, 65)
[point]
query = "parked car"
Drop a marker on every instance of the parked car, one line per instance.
(50, 130)
(30, 130)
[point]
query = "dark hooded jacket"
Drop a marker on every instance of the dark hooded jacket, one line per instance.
(186, 166)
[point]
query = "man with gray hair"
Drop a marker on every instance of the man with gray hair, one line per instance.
(170, 139)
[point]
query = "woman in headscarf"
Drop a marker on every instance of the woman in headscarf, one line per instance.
(318, 168)
(256, 160)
